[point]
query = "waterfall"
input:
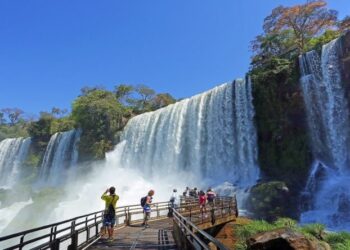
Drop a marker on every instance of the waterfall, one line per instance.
(13, 152)
(328, 120)
(210, 135)
(61, 155)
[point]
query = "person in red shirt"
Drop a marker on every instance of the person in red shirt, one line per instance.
(202, 202)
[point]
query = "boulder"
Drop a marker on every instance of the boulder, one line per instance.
(284, 239)
(269, 200)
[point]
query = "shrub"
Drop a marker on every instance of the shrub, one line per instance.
(316, 230)
(338, 241)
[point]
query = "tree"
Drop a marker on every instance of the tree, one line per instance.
(57, 112)
(2, 118)
(273, 44)
(305, 20)
(344, 24)
(13, 114)
(146, 94)
(123, 92)
(162, 100)
(99, 115)
(40, 130)
(86, 90)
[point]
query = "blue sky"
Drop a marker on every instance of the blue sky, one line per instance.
(49, 50)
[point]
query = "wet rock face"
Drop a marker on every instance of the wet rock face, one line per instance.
(269, 200)
(285, 239)
(345, 47)
(345, 59)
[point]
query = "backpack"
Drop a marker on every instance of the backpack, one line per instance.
(111, 210)
(143, 201)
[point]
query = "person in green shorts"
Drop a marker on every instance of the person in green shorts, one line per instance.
(109, 214)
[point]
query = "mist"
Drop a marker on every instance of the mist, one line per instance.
(81, 194)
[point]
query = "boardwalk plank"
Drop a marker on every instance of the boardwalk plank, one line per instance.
(158, 236)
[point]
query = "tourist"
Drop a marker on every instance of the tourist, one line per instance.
(186, 192)
(147, 208)
(211, 197)
(174, 199)
(202, 202)
(193, 193)
(109, 214)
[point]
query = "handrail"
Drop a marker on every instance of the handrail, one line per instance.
(87, 226)
(189, 230)
(72, 228)
(193, 233)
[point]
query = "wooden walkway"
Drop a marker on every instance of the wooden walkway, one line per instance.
(158, 236)
(187, 229)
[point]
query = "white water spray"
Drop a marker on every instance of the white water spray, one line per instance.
(13, 152)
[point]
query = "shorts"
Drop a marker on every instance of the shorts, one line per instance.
(147, 209)
(108, 221)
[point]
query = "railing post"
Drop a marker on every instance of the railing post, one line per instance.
(87, 229)
(222, 208)
(51, 234)
(236, 208)
(212, 214)
(74, 238)
(55, 245)
(158, 212)
(21, 242)
(128, 216)
(96, 224)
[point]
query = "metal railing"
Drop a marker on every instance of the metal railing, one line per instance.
(79, 232)
(186, 218)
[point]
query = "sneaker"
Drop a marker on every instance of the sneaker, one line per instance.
(146, 226)
(110, 239)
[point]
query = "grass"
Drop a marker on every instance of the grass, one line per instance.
(314, 232)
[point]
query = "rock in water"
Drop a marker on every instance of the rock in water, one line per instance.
(269, 200)
(283, 239)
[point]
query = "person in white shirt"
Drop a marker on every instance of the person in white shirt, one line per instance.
(174, 199)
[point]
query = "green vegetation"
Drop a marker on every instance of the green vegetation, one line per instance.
(338, 241)
(314, 232)
(270, 200)
(98, 112)
(99, 115)
(284, 151)
(12, 123)
(17, 130)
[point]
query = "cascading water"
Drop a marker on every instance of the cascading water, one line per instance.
(13, 152)
(328, 119)
(205, 140)
(61, 155)
(210, 135)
